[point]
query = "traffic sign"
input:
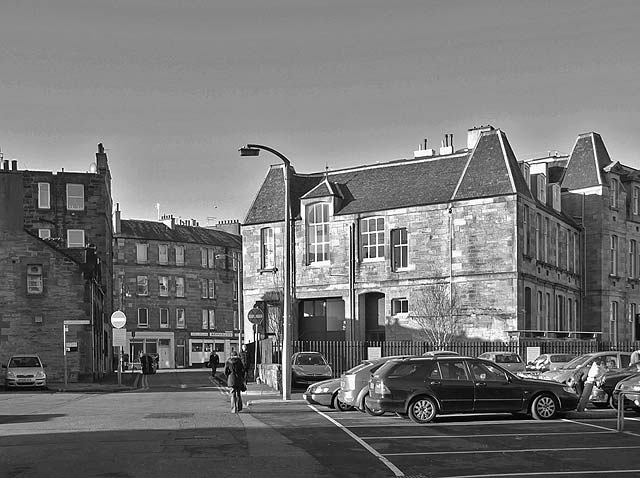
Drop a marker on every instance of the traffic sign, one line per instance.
(255, 315)
(119, 337)
(118, 319)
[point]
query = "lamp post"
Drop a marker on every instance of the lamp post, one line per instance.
(254, 150)
(238, 265)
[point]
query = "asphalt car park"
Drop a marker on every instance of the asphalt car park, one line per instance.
(491, 445)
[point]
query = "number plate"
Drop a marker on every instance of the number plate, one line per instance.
(25, 380)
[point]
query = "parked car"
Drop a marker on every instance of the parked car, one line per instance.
(602, 394)
(440, 353)
(325, 393)
(354, 383)
(631, 388)
(424, 387)
(309, 367)
(509, 360)
(612, 360)
(25, 371)
(546, 362)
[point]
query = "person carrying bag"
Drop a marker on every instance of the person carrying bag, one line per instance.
(234, 370)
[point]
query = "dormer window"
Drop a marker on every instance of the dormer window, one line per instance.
(541, 188)
(614, 193)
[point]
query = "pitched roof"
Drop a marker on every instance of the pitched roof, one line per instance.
(158, 231)
(490, 169)
(586, 161)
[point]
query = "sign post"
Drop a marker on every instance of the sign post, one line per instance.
(65, 329)
(255, 316)
(118, 320)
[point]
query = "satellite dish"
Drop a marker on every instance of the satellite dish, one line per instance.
(93, 168)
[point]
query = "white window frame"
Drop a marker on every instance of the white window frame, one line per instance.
(613, 256)
(372, 238)
(557, 251)
(179, 286)
(632, 258)
(142, 324)
(525, 230)
(539, 237)
(75, 199)
(163, 254)
(318, 240)
(164, 321)
(142, 286)
(267, 248)
(400, 307)
(44, 196)
(211, 286)
(180, 319)
(636, 200)
(163, 286)
(142, 253)
(44, 233)
(545, 239)
(613, 322)
(204, 289)
(179, 255)
(208, 319)
(35, 279)
(614, 192)
(75, 243)
(399, 249)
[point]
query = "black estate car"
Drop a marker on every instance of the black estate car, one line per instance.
(423, 387)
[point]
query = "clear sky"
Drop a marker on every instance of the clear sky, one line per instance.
(173, 87)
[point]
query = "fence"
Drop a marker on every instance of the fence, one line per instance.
(343, 355)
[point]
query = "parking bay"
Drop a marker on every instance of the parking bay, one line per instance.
(496, 445)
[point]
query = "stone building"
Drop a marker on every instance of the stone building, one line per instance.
(56, 263)
(177, 284)
(369, 240)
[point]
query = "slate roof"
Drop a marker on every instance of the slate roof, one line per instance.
(586, 161)
(488, 170)
(158, 231)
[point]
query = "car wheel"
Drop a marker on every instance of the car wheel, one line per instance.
(340, 405)
(423, 410)
(613, 403)
(370, 411)
(544, 407)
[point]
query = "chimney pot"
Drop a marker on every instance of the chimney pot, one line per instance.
(14, 165)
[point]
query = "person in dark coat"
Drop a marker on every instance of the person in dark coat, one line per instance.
(234, 370)
(214, 361)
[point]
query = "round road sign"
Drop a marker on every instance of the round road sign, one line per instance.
(255, 315)
(118, 319)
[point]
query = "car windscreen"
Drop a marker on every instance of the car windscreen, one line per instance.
(358, 367)
(562, 358)
(508, 359)
(311, 359)
(24, 362)
(578, 362)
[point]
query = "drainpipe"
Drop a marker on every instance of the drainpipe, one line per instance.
(352, 279)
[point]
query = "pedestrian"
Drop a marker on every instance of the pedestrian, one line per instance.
(635, 356)
(234, 370)
(577, 380)
(214, 361)
(595, 373)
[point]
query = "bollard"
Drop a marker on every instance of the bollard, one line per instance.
(620, 422)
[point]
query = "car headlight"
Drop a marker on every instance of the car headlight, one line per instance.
(11, 374)
(322, 390)
(41, 374)
(570, 390)
(622, 387)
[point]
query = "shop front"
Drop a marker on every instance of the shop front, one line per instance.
(160, 344)
(201, 344)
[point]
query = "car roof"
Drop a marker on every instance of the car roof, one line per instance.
(24, 355)
(499, 353)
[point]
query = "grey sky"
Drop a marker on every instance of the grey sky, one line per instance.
(173, 88)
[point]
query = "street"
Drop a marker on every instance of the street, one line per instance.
(179, 424)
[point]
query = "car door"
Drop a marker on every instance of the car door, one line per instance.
(452, 386)
(494, 391)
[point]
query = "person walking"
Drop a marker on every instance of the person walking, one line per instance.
(214, 361)
(234, 370)
(635, 356)
(595, 373)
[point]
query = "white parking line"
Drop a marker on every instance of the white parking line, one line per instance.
(602, 428)
(551, 473)
(413, 437)
(396, 471)
(527, 450)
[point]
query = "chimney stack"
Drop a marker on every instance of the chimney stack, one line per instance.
(14, 165)
(422, 151)
(118, 222)
(447, 144)
(473, 134)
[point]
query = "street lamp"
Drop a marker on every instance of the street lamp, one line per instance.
(254, 150)
(238, 265)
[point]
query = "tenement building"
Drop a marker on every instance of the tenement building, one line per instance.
(56, 266)
(538, 248)
(178, 285)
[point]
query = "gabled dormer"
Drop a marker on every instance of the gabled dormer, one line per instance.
(325, 190)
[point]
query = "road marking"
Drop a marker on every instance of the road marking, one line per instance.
(550, 473)
(605, 428)
(396, 471)
(411, 437)
(529, 450)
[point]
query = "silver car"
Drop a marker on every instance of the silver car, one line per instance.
(613, 360)
(25, 371)
(509, 360)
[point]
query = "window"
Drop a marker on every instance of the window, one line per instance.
(267, 248)
(75, 196)
(236, 260)
(235, 291)
(567, 249)
(557, 252)
(180, 318)
(545, 240)
(576, 252)
(75, 238)
(540, 311)
(538, 237)
(525, 230)
(372, 237)
(179, 255)
(399, 249)
(207, 258)
(615, 190)
(399, 306)
(44, 196)
(142, 285)
(212, 288)
(208, 319)
(34, 279)
(317, 233)
(636, 200)
(179, 286)
(163, 254)
(164, 318)
(141, 253)
(453, 370)
(613, 256)
(163, 286)
(613, 319)
(541, 186)
(487, 373)
(203, 257)
(547, 311)
(44, 233)
(632, 312)
(204, 289)
(632, 259)
(143, 318)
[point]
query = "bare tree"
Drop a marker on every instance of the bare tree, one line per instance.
(274, 300)
(436, 313)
